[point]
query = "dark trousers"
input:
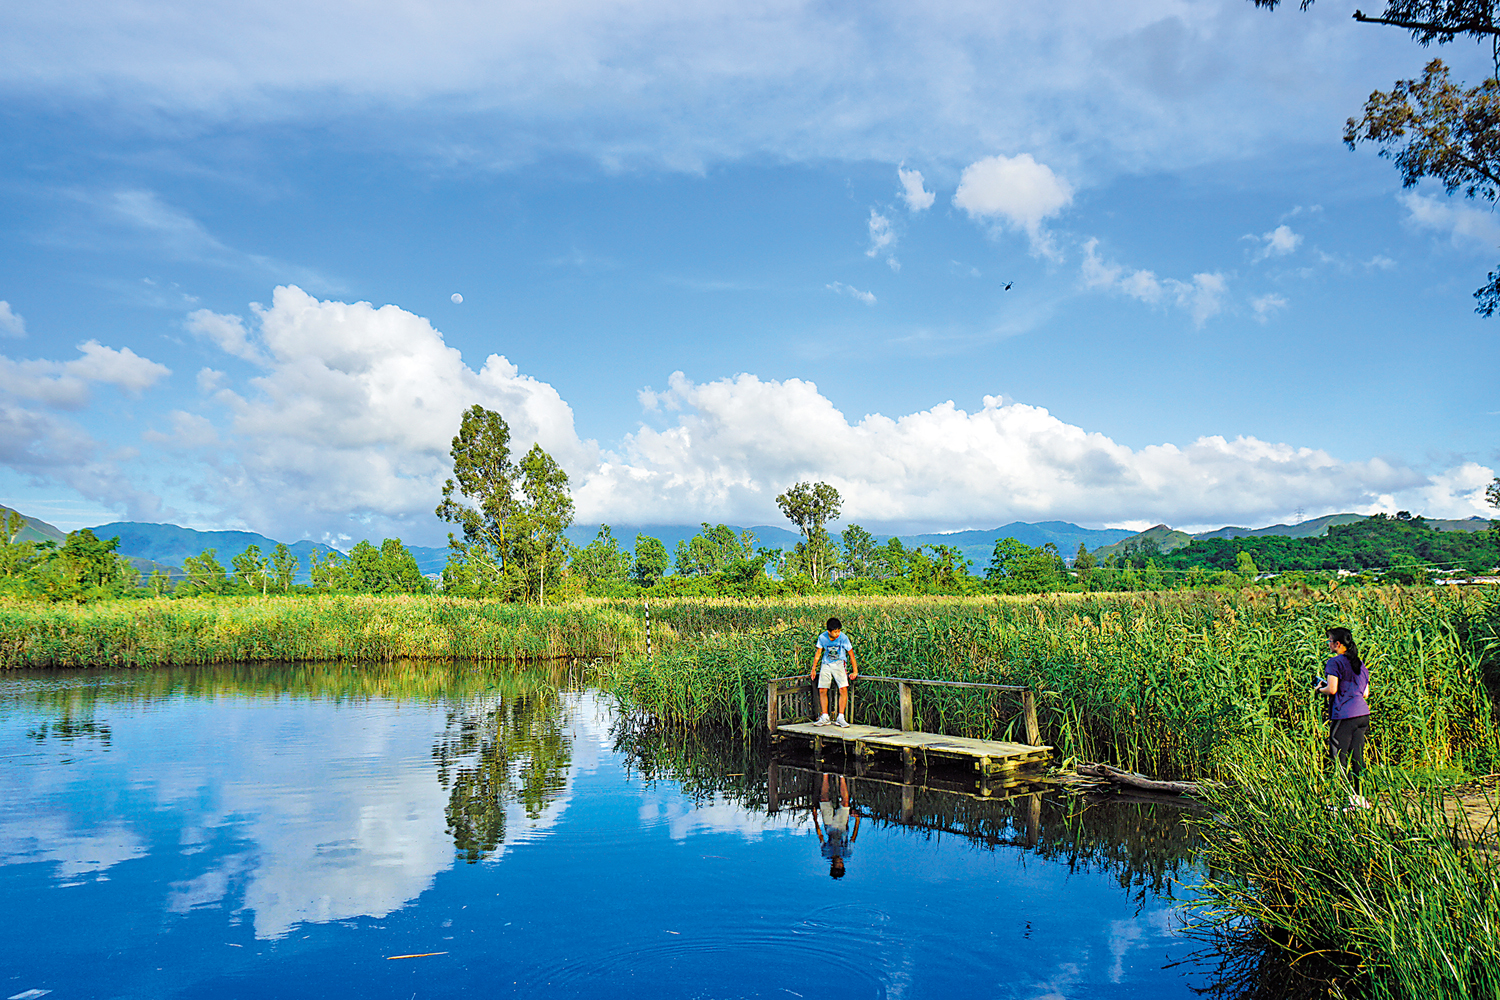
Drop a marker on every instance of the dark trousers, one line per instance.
(1346, 744)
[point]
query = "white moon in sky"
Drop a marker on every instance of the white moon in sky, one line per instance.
(457, 298)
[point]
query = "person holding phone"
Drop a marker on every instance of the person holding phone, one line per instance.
(1346, 681)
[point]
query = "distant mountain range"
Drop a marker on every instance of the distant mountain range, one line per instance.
(165, 546)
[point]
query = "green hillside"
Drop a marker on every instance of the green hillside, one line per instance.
(1164, 538)
(36, 530)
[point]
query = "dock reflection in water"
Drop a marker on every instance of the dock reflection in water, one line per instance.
(286, 831)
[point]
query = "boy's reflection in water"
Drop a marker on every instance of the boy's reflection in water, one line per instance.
(834, 833)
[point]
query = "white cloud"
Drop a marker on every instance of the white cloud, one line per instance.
(11, 322)
(738, 441)
(1267, 305)
(1201, 298)
(1380, 262)
(1153, 85)
(65, 384)
(917, 198)
(868, 298)
(353, 409)
(353, 413)
(227, 333)
(1277, 243)
(882, 236)
(1466, 226)
(1015, 191)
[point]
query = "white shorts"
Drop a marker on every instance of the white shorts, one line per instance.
(834, 819)
(833, 673)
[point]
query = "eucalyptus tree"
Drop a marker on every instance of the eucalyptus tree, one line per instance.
(481, 496)
(284, 567)
(810, 506)
(544, 513)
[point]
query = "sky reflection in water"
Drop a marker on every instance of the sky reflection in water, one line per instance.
(204, 842)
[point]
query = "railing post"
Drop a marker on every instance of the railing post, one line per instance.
(905, 692)
(1028, 709)
(773, 705)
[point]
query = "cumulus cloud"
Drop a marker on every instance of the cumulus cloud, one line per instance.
(227, 333)
(1277, 243)
(1016, 192)
(738, 441)
(1466, 226)
(917, 198)
(352, 415)
(1201, 298)
(352, 409)
(38, 443)
(65, 384)
(868, 298)
(11, 323)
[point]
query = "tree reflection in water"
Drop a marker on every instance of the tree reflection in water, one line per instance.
(497, 750)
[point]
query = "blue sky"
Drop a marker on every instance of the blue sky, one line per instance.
(704, 253)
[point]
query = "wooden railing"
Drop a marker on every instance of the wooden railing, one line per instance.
(789, 692)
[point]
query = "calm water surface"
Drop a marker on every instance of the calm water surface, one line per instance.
(284, 832)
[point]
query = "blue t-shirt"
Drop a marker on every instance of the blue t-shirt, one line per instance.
(834, 649)
(1350, 702)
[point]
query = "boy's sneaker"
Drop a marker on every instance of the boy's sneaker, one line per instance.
(822, 720)
(1358, 802)
(840, 721)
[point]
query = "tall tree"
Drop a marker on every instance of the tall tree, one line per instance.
(650, 560)
(859, 551)
(1434, 127)
(602, 561)
(481, 496)
(810, 506)
(1492, 492)
(1006, 555)
(1084, 563)
(204, 572)
(250, 567)
(283, 567)
(543, 516)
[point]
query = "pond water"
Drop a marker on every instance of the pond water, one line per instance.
(290, 832)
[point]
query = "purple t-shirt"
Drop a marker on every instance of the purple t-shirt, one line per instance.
(1350, 702)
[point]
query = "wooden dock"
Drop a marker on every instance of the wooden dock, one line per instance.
(789, 704)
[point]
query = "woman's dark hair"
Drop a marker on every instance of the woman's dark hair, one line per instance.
(833, 623)
(1346, 638)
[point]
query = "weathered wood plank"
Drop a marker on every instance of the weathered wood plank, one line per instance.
(987, 755)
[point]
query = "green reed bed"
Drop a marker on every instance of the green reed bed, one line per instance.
(1164, 684)
(1304, 897)
(241, 630)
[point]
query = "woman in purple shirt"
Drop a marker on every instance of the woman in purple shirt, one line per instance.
(1346, 680)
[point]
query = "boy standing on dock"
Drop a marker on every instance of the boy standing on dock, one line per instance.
(828, 668)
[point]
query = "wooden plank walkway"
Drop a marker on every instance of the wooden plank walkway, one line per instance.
(790, 698)
(987, 756)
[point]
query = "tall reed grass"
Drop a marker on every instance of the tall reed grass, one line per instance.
(1161, 683)
(1396, 902)
(244, 630)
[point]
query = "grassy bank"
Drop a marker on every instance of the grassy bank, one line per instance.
(246, 630)
(1162, 683)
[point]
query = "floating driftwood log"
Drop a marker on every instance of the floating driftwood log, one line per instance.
(1130, 779)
